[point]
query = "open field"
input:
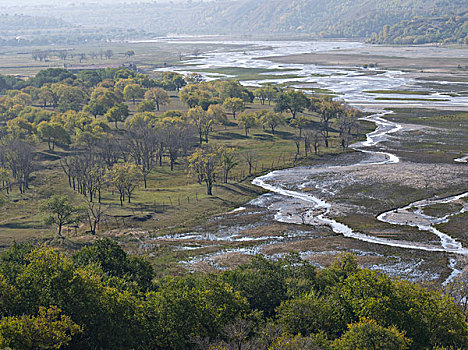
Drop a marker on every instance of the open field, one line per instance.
(19, 60)
(173, 201)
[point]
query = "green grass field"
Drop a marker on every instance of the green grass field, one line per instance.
(173, 201)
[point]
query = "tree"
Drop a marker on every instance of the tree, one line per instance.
(234, 105)
(178, 136)
(113, 260)
(143, 141)
(5, 180)
(368, 335)
(347, 121)
(217, 113)
(124, 177)
(158, 96)
(50, 329)
(228, 162)
(248, 121)
(174, 79)
(94, 213)
(194, 78)
(130, 53)
(146, 106)
(271, 120)
(299, 123)
(45, 95)
(202, 121)
(95, 107)
(62, 210)
(251, 158)
(265, 93)
(260, 274)
(69, 97)
(292, 101)
(117, 114)
(19, 156)
(328, 111)
(53, 133)
(108, 54)
(205, 163)
(132, 92)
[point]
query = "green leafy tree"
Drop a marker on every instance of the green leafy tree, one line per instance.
(271, 120)
(146, 106)
(217, 113)
(299, 123)
(174, 79)
(292, 101)
(133, 91)
(62, 212)
(368, 335)
(247, 121)
(95, 107)
(202, 120)
(117, 114)
(205, 164)
(158, 96)
(265, 93)
(53, 133)
(260, 275)
(116, 262)
(50, 329)
(234, 105)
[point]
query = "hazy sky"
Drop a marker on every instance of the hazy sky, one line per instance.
(18, 3)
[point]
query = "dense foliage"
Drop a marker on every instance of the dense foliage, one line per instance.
(101, 298)
(420, 30)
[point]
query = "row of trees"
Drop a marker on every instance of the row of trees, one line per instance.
(102, 298)
(43, 55)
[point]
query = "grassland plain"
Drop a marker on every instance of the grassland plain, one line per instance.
(173, 201)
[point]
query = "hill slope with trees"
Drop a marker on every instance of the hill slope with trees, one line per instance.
(420, 30)
(330, 19)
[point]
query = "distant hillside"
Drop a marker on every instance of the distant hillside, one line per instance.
(331, 18)
(444, 29)
(20, 22)
(324, 18)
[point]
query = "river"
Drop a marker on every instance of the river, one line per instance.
(352, 84)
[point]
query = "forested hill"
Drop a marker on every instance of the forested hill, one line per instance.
(332, 18)
(420, 30)
(327, 19)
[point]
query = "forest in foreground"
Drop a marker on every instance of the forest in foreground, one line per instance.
(102, 298)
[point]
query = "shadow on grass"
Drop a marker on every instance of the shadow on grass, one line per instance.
(22, 225)
(229, 136)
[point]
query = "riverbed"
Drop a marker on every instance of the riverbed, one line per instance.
(313, 211)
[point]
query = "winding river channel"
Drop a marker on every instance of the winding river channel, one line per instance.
(292, 203)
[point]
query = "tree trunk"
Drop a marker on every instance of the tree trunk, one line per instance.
(209, 188)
